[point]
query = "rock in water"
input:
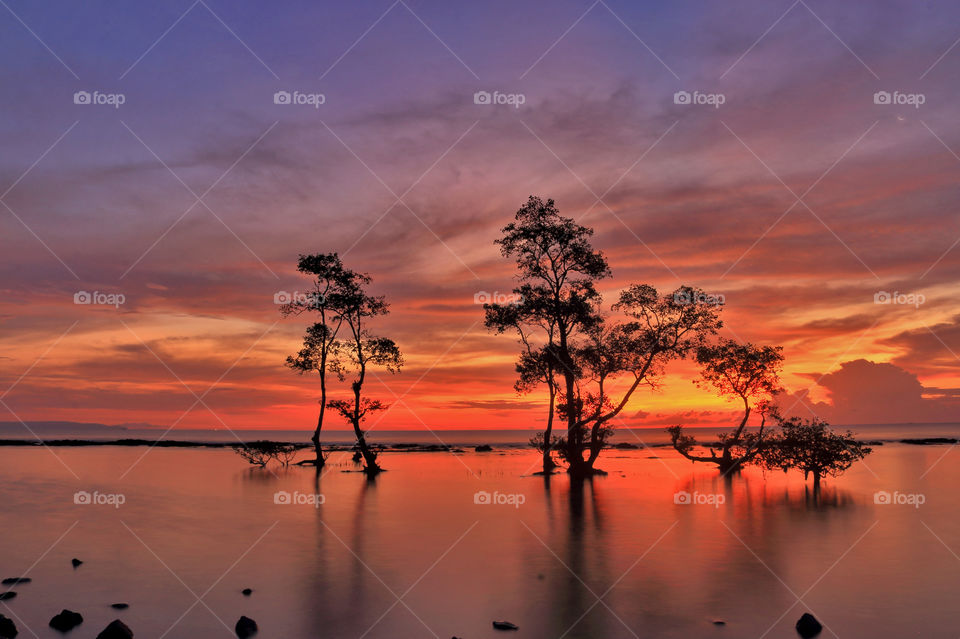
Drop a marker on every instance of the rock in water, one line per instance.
(120, 606)
(247, 591)
(246, 627)
(7, 595)
(116, 630)
(483, 448)
(719, 622)
(505, 625)
(808, 626)
(66, 620)
(76, 562)
(8, 630)
(15, 580)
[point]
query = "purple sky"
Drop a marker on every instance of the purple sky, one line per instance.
(799, 198)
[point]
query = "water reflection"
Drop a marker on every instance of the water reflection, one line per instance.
(664, 568)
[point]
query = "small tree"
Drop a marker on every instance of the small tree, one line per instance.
(364, 350)
(744, 372)
(258, 453)
(285, 453)
(813, 447)
(331, 288)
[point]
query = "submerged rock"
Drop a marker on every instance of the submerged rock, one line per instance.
(16, 580)
(808, 626)
(8, 630)
(246, 627)
(505, 625)
(120, 606)
(76, 562)
(7, 595)
(66, 620)
(116, 630)
(247, 591)
(719, 622)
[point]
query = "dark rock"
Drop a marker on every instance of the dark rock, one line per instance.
(66, 620)
(505, 625)
(625, 446)
(808, 626)
(120, 606)
(116, 630)
(483, 448)
(246, 627)
(719, 622)
(8, 630)
(76, 562)
(247, 591)
(15, 580)
(7, 595)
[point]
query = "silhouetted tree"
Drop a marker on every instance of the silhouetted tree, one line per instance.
(555, 301)
(578, 353)
(744, 372)
(258, 453)
(286, 453)
(363, 350)
(536, 365)
(331, 289)
(656, 330)
(813, 447)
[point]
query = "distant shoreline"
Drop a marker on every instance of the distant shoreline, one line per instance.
(392, 448)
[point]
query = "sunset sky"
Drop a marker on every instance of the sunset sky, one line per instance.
(799, 198)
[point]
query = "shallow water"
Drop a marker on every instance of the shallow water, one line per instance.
(413, 555)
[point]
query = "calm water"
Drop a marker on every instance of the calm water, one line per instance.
(200, 524)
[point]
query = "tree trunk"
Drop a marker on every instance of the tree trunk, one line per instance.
(727, 464)
(574, 452)
(370, 465)
(318, 447)
(816, 482)
(548, 463)
(369, 457)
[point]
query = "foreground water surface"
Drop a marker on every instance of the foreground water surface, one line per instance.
(412, 554)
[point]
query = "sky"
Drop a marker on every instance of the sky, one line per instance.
(799, 159)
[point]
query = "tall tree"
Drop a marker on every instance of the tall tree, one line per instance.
(331, 286)
(579, 353)
(744, 372)
(536, 364)
(364, 350)
(556, 298)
